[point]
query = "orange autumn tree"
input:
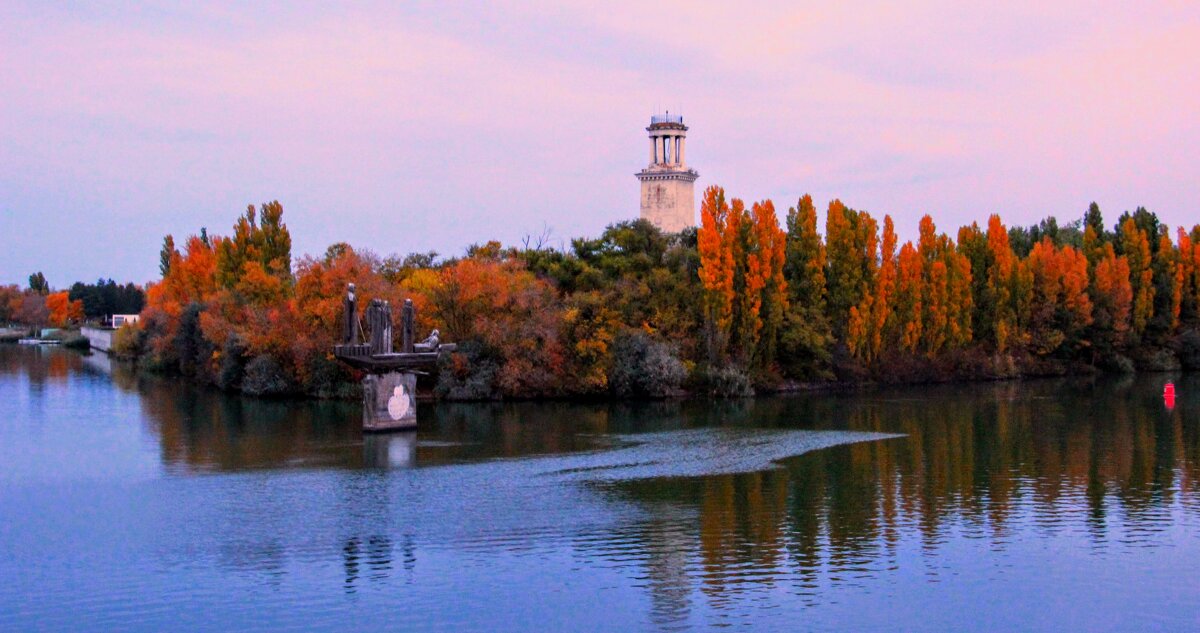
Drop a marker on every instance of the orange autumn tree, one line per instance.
(852, 244)
(322, 283)
(1112, 297)
(225, 299)
(188, 284)
(190, 277)
(867, 320)
(737, 237)
(56, 305)
(253, 314)
(1093, 246)
(318, 309)
(903, 328)
(512, 313)
(972, 245)
(947, 301)
(1007, 288)
(715, 241)
(763, 299)
(63, 311)
(1061, 308)
(742, 256)
(1135, 246)
(10, 302)
(1189, 264)
(885, 287)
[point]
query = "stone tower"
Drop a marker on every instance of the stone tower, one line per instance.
(668, 186)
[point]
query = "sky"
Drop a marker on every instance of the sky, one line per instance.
(414, 126)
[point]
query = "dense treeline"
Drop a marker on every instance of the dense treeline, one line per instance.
(739, 304)
(38, 305)
(106, 298)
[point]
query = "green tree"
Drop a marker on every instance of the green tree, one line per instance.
(1167, 274)
(1145, 221)
(973, 245)
(851, 239)
(806, 336)
(38, 284)
(258, 238)
(164, 256)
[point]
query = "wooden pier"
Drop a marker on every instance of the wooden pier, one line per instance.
(390, 387)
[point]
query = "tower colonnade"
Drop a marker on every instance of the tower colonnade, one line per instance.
(668, 198)
(668, 147)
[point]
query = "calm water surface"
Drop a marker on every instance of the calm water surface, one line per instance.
(134, 504)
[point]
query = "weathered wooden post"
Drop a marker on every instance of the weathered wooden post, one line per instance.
(390, 387)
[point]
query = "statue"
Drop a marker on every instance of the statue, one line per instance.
(430, 344)
(379, 320)
(407, 317)
(350, 330)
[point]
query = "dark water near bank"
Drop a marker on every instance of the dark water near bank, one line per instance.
(132, 504)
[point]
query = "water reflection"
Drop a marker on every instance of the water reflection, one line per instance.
(200, 430)
(39, 365)
(988, 485)
(390, 450)
(999, 463)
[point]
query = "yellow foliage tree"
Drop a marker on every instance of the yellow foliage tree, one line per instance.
(1136, 248)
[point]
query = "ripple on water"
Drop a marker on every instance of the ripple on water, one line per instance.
(697, 453)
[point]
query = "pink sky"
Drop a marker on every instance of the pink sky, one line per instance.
(427, 127)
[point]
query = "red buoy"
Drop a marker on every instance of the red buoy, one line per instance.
(1169, 395)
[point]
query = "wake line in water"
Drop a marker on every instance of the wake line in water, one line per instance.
(697, 453)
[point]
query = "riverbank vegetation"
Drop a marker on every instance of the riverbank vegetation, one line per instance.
(38, 305)
(744, 303)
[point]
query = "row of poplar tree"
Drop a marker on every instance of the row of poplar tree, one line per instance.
(796, 297)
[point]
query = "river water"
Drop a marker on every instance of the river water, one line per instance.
(130, 503)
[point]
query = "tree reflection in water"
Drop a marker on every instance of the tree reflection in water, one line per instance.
(1100, 460)
(976, 454)
(996, 461)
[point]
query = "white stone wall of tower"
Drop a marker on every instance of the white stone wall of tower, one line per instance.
(669, 204)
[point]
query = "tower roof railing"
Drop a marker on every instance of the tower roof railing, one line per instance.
(666, 118)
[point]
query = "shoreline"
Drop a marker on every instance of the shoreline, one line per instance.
(1048, 369)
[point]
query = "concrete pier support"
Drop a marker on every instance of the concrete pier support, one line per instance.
(390, 401)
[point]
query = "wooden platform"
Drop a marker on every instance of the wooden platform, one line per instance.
(360, 357)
